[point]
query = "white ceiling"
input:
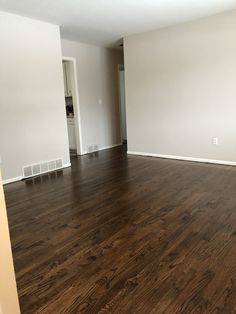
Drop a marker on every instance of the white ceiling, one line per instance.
(105, 22)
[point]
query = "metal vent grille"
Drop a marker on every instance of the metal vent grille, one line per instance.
(59, 163)
(28, 171)
(52, 165)
(36, 169)
(43, 167)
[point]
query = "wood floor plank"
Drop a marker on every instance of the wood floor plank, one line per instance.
(125, 234)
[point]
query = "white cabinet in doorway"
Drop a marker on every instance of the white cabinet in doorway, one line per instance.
(67, 79)
(71, 133)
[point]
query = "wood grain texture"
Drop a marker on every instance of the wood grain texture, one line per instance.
(126, 234)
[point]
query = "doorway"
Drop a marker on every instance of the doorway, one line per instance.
(72, 106)
(122, 103)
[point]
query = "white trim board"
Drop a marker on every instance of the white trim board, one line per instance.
(12, 180)
(103, 148)
(203, 160)
(111, 146)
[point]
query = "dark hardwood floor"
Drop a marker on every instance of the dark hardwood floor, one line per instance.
(126, 234)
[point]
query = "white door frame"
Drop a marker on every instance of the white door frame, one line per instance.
(75, 96)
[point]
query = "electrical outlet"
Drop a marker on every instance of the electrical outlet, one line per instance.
(99, 101)
(215, 141)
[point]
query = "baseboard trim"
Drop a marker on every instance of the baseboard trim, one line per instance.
(16, 179)
(202, 160)
(111, 146)
(12, 180)
(103, 148)
(66, 165)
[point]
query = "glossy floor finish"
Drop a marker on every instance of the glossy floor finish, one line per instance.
(126, 234)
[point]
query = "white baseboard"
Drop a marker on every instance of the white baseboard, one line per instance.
(66, 165)
(103, 148)
(203, 160)
(111, 146)
(12, 180)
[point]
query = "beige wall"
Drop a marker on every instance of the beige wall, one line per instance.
(32, 107)
(8, 293)
(97, 72)
(181, 89)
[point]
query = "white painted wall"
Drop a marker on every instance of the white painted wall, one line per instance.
(97, 73)
(181, 89)
(32, 108)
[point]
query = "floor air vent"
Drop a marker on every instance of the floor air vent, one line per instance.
(43, 167)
